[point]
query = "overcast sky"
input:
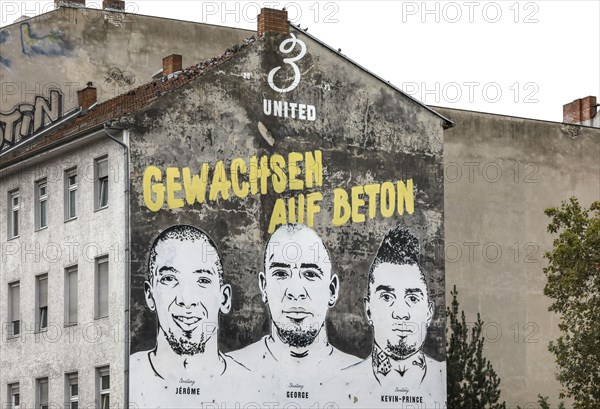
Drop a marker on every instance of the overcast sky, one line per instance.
(521, 58)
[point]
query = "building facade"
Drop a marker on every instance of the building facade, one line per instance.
(501, 173)
(62, 272)
(303, 160)
(66, 197)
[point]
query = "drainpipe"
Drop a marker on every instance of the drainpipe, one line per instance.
(107, 126)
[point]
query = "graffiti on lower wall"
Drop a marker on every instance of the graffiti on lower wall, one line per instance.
(26, 119)
(121, 77)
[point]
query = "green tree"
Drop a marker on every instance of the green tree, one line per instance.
(472, 382)
(543, 403)
(573, 283)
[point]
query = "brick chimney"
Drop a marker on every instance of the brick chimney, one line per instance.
(87, 96)
(273, 21)
(69, 3)
(172, 63)
(117, 5)
(581, 111)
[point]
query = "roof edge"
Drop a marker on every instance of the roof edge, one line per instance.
(515, 117)
(129, 13)
(447, 123)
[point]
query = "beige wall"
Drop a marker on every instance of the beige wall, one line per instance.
(500, 174)
(94, 45)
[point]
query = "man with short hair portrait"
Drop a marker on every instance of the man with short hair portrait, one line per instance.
(299, 287)
(399, 309)
(185, 289)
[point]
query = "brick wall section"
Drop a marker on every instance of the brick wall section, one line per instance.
(113, 5)
(273, 21)
(87, 96)
(172, 63)
(579, 110)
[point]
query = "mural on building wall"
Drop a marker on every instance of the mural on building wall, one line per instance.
(4, 38)
(26, 119)
(54, 43)
(274, 271)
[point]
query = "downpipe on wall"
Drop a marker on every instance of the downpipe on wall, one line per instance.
(125, 146)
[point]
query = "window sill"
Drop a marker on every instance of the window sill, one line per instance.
(71, 219)
(39, 331)
(71, 324)
(100, 208)
(13, 238)
(41, 228)
(12, 337)
(101, 318)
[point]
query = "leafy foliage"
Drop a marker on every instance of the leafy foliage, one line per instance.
(543, 402)
(472, 382)
(573, 283)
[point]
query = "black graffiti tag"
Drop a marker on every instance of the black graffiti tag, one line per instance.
(26, 119)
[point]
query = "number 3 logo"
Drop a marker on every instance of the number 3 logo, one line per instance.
(285, 49)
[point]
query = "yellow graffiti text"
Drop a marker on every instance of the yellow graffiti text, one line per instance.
(293, 210)
(259, 175)
(386, 198)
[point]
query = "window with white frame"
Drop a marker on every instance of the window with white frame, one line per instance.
(71, 194)
(72, 386)
(41, 204)
(42, 393)
(101, 183)
(103, 382)
(14, 397)
(14, 309)
(42, 302)
(14, 209)
(101, 287)
(71, 296)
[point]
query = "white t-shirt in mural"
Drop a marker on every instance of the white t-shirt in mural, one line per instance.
(180, 388)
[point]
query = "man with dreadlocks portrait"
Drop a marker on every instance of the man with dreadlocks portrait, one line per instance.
(399, 310)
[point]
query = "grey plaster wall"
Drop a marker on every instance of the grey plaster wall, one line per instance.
(367, 132)
(501, 173)
(69, 47)
(92, 343)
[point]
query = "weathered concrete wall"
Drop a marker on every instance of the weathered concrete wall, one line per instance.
(501, 173)
(69, 47)
(93, 342)
(367, 132)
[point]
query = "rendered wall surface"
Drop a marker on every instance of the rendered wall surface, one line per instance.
(92, 343)
(289, 315)
(67, 48)
(501, 173)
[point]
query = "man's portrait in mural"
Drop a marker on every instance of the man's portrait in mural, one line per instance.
(298, 286)
(185, 289)
(399, 308)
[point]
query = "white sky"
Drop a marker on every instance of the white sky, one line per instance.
(520, 58)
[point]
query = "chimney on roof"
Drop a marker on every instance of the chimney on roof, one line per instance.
(69, 3)
(87, 96)
(171, 64)
(582, 111)
(116, 5)
(273, 21)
